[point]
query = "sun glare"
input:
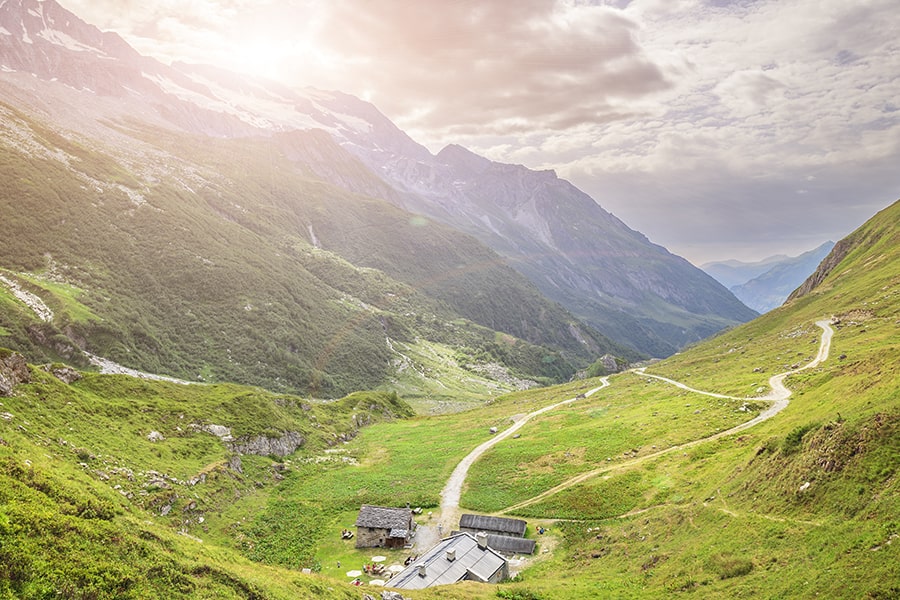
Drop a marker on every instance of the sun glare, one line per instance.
(263, 58)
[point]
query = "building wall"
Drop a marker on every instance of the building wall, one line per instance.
(501, 574)
(367, 537)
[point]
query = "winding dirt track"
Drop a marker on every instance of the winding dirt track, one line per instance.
(428, 535)
(778, 396)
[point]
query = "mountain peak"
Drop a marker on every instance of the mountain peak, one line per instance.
(463, 159)
(43, 38)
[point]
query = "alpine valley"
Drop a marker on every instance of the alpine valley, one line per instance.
(232, 313)
(222, 228)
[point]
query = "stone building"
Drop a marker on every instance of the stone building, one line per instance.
(383, 527)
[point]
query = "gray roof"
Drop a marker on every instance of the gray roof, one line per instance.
(382, 517)
(470, 563)
(510, 545)
(499, 525)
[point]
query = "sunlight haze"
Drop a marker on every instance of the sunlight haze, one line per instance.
(721, 129)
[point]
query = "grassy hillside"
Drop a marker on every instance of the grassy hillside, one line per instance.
(219, 260)
(99, 477)
(802, 505)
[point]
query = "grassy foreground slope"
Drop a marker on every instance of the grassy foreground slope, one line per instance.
(803, 505)
(113, 487)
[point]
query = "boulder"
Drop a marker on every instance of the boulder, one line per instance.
(13, 371)
(609, 363)
(67, 375)
(261, 445)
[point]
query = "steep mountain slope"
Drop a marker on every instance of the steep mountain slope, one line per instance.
(801, 505)
(577, 253)
(217, 259)
(766, 284)
(604, 273)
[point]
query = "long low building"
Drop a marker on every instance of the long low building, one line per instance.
(506, 544)
(461, 557)
(496, 525)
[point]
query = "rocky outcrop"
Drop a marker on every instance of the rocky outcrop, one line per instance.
(610, 364)
(834, 258)
(13, 371)
(261, 445)
(67, 375)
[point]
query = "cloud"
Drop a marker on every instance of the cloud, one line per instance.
(693, 120)
(500, 67)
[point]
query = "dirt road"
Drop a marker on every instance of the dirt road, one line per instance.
(778, 396)
(447, 518)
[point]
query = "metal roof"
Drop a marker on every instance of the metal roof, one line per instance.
(511, 545)
(382, 517)
(470, 563)
(501, 525)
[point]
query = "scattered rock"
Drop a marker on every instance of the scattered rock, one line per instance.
(804, 487)
(67, 375)
(261, 445)
(234, 463)
(220, 431)
(155, 436)
(13, 371)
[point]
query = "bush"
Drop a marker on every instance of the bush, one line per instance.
(727, 566)
(795, 437)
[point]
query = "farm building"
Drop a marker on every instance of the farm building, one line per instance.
(379, 526)
(508, 545)
(461, 557)
(492, 525)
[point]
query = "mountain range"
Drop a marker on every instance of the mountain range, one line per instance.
(189, 221)
(766, 284)
(154, 217)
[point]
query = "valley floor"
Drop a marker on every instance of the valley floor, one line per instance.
(430, 533)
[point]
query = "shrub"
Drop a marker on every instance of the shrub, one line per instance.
(793, 440)
(727, 566)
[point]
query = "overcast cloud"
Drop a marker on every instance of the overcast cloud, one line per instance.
(719, 128)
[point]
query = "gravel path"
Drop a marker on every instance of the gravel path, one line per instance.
(447, 518)
(778, 396)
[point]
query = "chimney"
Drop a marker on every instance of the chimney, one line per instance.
(451, 554)
(422, 572)
(481, 539)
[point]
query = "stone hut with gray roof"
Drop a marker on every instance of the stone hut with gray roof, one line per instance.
(383, 527)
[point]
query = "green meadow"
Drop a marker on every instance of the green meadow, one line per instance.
(638, 500)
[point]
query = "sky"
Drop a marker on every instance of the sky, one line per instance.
(721, 129)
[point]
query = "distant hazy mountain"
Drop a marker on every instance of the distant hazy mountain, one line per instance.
(734, 272)
(219, 226)
(766, 284)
